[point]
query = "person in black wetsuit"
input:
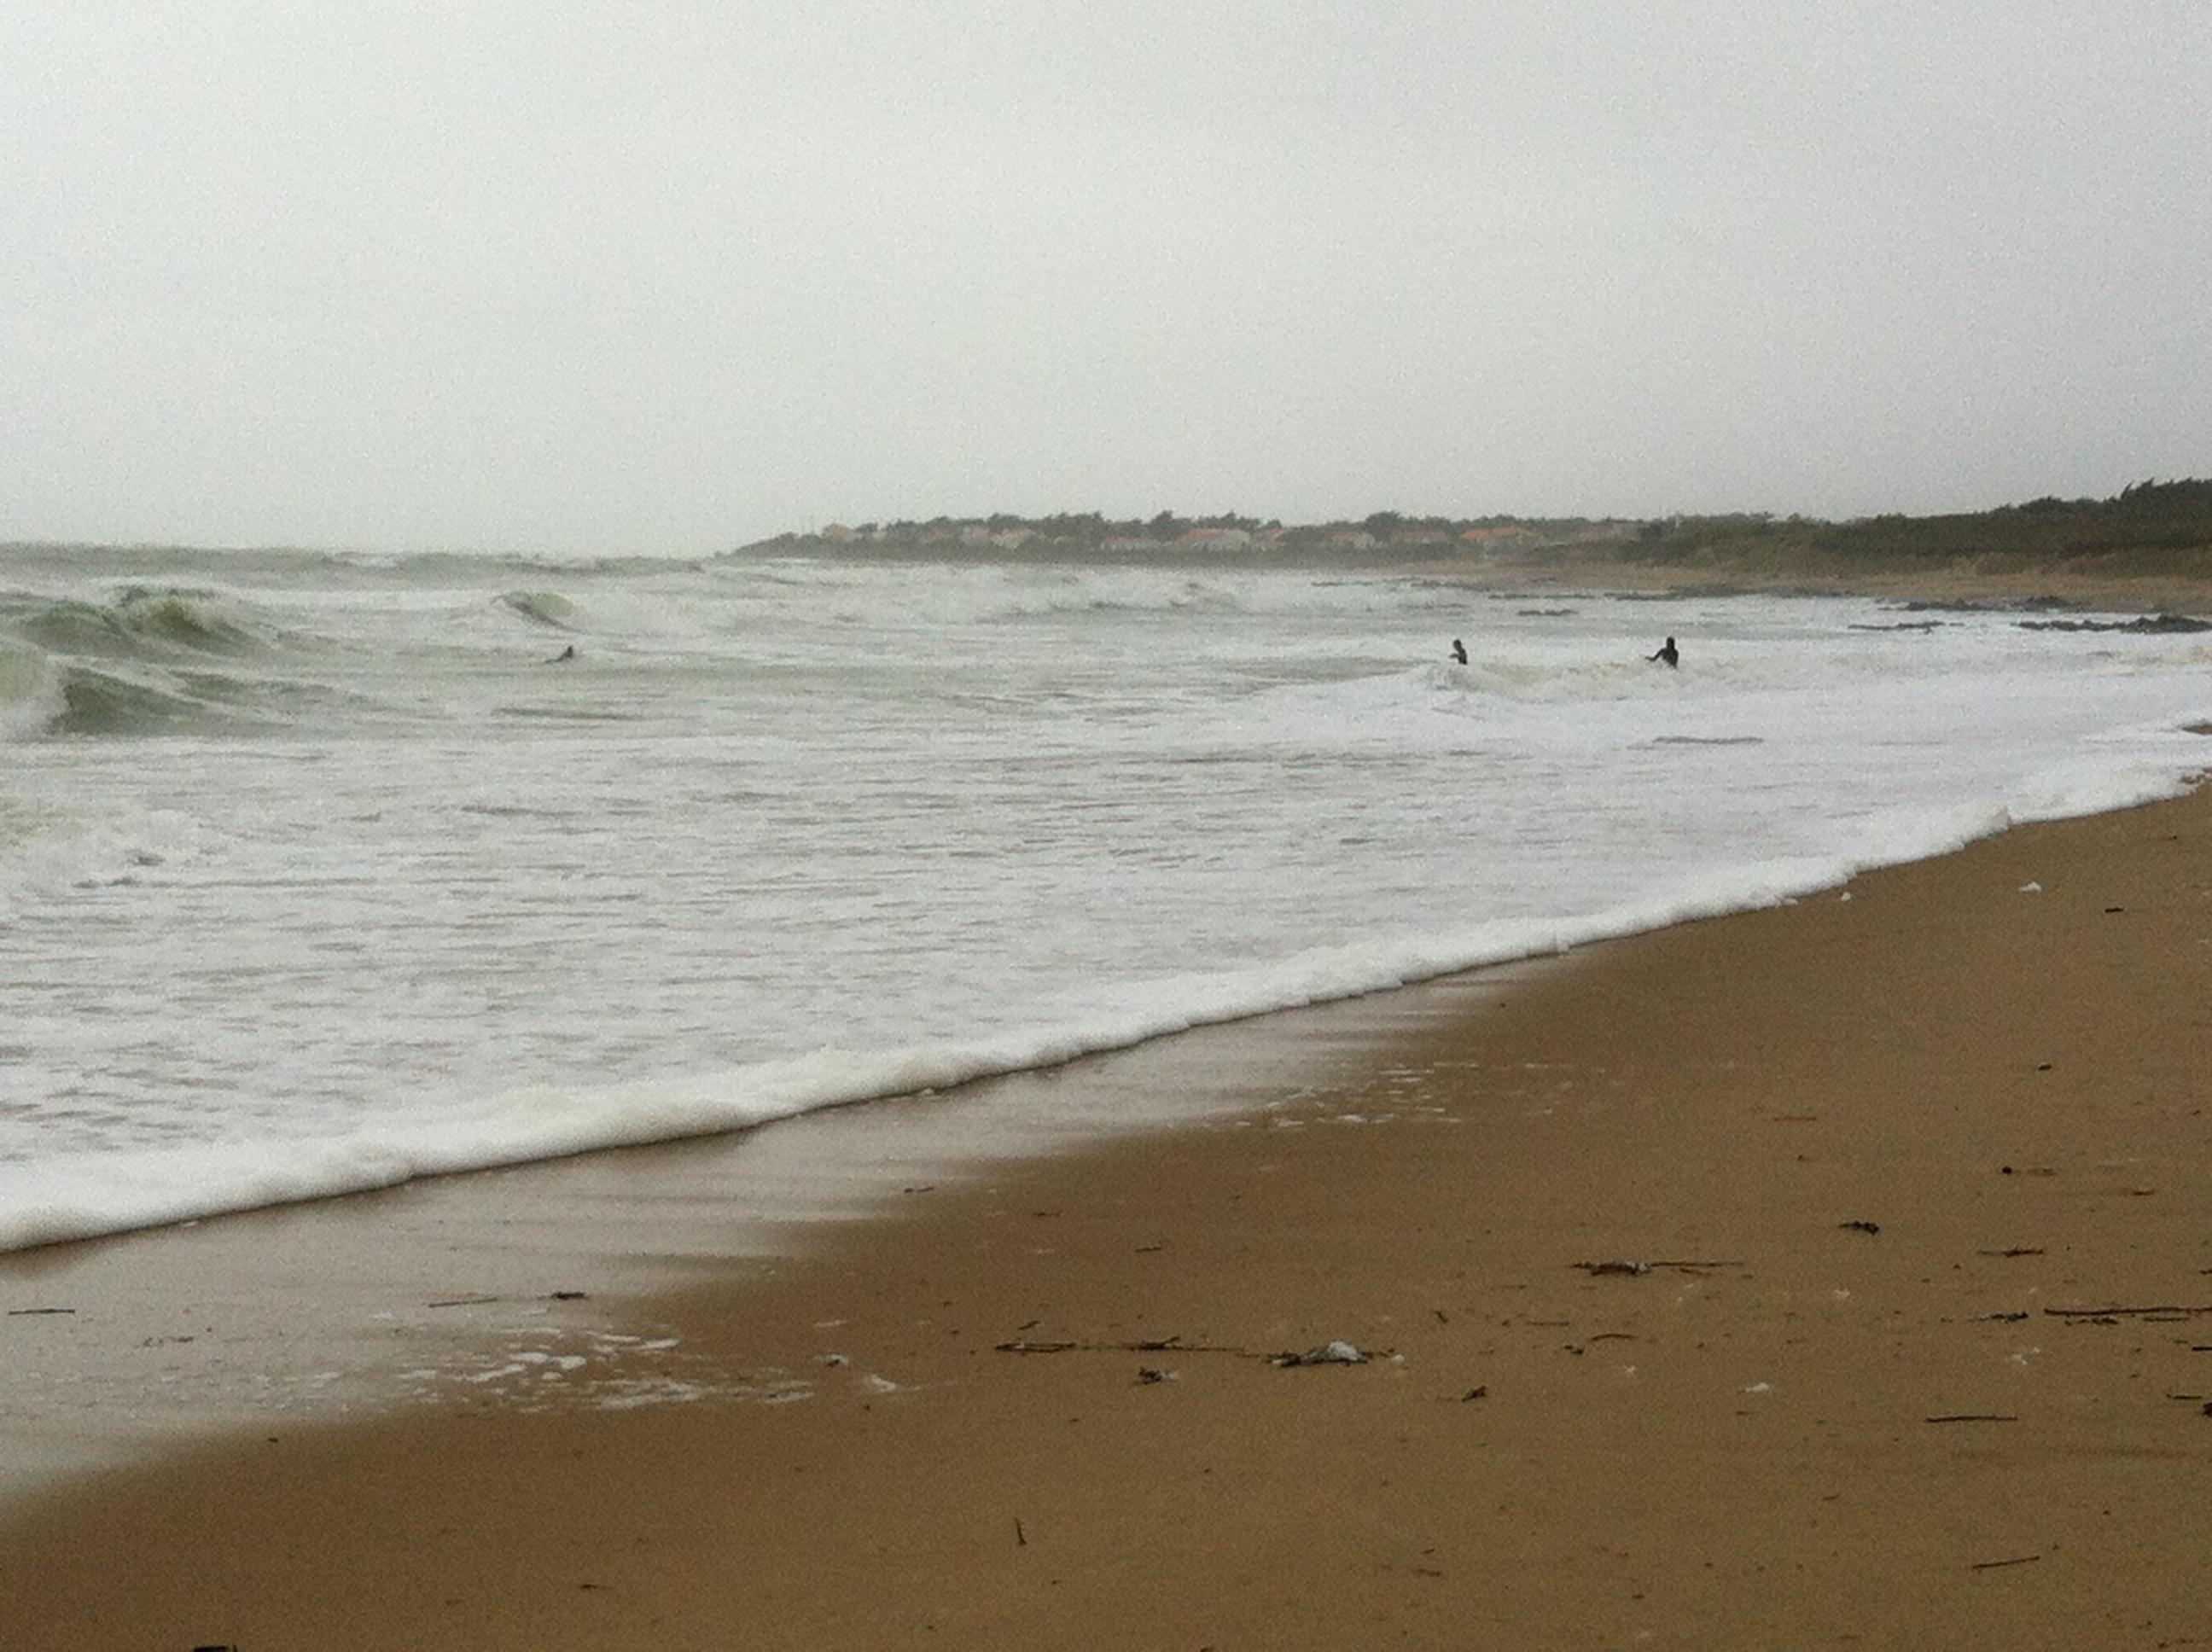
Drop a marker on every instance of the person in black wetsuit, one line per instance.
(1459, 652)
(1667, 652)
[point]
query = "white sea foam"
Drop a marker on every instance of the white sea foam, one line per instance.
(791, 836)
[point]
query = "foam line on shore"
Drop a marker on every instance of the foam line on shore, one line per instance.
(114, 1193)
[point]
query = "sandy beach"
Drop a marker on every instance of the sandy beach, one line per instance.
(1834, 1275)
(2109, 585)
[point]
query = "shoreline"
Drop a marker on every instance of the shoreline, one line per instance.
(1998, 583)
(1880, 1153)
(137, 1343)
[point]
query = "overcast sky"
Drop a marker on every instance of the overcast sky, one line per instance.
(673, 275)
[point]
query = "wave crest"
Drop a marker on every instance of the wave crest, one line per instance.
(547, 608)
(141, 622)
(32, 697)
(99, 703)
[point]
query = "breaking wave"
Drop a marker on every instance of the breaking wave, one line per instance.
(147, 660)
(32, 695)
(97, 703)
(141, 621)
(547, 608)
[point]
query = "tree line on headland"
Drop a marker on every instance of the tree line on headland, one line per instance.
(2150, 528)
(1387, 535)
(2155, 524)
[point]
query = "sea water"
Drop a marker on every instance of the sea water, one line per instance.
(320, 873)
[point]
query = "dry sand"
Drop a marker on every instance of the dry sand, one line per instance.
(2113, 585)
(1880, 1153)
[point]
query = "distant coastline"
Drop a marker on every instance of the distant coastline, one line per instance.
(2147, 550)
(2147, 547)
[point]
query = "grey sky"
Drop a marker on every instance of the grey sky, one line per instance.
(545, 274)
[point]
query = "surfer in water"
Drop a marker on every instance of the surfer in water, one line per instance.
(1667, 652)
(1459, 652)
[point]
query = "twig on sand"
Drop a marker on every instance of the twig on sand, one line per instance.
(1148, 1345)
(26, 1313)
(2016, 1560)
(483, 1301)
(1334, 1354)
(1625, 1265)
(1973, 1416)
(2166, 1308)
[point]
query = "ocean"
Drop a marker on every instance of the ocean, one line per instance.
(320, 873)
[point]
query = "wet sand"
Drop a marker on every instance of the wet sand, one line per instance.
(1913, 1344)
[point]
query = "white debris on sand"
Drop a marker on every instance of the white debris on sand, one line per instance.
(1334, 1354)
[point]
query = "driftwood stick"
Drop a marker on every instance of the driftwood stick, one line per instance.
(1625, 1265)
(1146, 1345)
(1972, 1417)
(1171, 1345)
(2123, 1313)
(2017, 1560)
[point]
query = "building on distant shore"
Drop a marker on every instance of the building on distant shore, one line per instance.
(983, 536)
(1214, 539)
(1499, 538)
